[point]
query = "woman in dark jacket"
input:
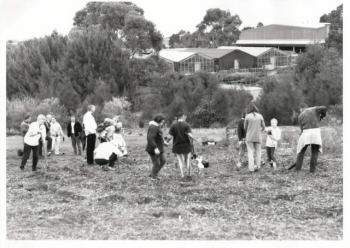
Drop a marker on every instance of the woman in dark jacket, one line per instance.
(155, 145)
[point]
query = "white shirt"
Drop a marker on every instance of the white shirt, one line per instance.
(72, 124)
(89, 123)
(105, 150)
(276, 134)
(55, 129)
(32, 137)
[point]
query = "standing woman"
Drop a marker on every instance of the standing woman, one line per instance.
(253, 124)
(155, 145)
(36, 131)
(181, 133)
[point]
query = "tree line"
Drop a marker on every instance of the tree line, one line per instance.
(98, 61)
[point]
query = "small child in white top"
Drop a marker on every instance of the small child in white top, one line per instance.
(273, 135)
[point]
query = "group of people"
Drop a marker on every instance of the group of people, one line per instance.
(47, 132)
(45, 135)
(250, 137)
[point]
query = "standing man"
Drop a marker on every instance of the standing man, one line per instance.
(309, 122)
(155, 145)
(181, 133)
(48, 138)
(253, 124)
(56, 134)
(36, 131)
(73, 131)
(90, 132)
(241, 142)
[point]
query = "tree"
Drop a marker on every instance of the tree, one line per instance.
(124, 18)
(246, 28)
(278, 99)
(335, 35)
(260, 24)
(222, 27)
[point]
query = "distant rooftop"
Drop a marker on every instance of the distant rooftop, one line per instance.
(280, 42)
(254, 51)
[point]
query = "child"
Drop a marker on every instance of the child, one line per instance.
(273, 135)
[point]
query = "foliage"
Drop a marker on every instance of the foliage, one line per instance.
(124, 18)
(205, 115)
(260, 24)
(319, 73)
(335, 35)
(20, 105)
(246, 28)
(279, 98)
(221, 26)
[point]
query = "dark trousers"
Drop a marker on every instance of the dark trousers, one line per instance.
(270, 151)
(76, 144)
(158, 162)
(110, 162)
(26, 153)
(49, 145)
(90, 147)
(313, 160)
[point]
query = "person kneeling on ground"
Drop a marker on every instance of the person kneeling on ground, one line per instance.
(106, 154)
(155, 145)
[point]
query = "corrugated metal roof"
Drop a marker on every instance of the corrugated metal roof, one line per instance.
(279, 42)
(307, 25)
(175, 56)
(254, 51)
(210, 52)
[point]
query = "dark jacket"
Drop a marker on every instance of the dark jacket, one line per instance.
(154, 139)
(240, 129)
(311, 117)
(77, 129)
(47, 127)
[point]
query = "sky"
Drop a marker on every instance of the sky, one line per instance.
(27, 19)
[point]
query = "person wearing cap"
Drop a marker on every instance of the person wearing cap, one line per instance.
(36, 131)
(56, 134)
(309, 123)
(106, 154)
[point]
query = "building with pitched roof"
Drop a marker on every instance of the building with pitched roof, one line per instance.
(284, 37)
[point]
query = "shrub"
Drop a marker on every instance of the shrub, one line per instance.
(141, 123)
(19, 106)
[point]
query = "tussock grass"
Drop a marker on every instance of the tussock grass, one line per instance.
(73, 202)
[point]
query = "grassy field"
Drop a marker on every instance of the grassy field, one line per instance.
(73, 202)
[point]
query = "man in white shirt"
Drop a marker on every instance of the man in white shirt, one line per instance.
(107, 153)
(90, 132)
(36, 131)
(56, 134)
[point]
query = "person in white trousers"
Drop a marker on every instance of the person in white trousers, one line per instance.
(56, 134)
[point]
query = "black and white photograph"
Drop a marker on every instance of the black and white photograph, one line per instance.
(214, 123)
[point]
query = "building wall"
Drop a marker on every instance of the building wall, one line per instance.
(245, 60)
(284, 32)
